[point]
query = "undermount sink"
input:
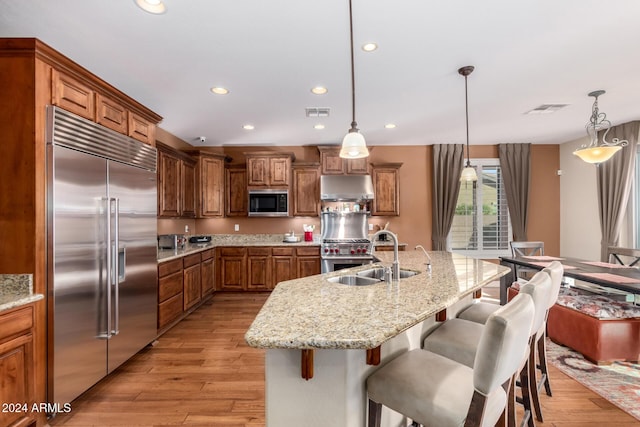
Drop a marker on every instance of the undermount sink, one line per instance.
(378, 273)
(354, 280)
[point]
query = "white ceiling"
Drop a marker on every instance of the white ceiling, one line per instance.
(269, 54)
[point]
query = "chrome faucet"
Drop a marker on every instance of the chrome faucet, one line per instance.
(428, 263)
(395, 267)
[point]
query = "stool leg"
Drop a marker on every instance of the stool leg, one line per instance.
(511, 403)
(526, 395)
(375, 413)
(533, 384)
(542, 358)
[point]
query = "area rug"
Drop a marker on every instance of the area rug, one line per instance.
(619, 382)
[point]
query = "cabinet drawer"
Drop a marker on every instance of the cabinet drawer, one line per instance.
(190, 260)
(14, 322)
(169, 286)
(169, 267)
(278, 251)
(259, 251)
(169, 310)
(206, 254)
(111, 114)
(232, 252)
(308, 251)
(141, 129)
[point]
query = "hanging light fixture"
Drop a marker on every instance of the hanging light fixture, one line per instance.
(594, 153)
(353, 144)
(469, 172)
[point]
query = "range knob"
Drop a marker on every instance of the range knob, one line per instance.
(353, 251)
(326, 250)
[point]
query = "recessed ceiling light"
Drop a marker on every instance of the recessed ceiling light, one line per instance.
(319, 126)
(156, 7)
(390, 126)
(248, 127)
(369, 47)
(546, 109)
(218, 90)
(319, 90)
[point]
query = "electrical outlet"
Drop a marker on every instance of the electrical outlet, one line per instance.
(370, 227)
(186, 229)
(236, 227)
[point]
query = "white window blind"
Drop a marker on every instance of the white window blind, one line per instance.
(481, 225)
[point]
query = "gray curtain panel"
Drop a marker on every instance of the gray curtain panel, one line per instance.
(615, 180)
(515, 162)
(447, 166)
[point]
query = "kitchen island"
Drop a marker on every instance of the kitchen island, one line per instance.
(334, 335)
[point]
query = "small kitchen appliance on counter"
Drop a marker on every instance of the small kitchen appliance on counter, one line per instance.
(171, 241)
(199, 240)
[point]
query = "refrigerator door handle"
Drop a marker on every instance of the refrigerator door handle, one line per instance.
(116, 267)
(106, 286)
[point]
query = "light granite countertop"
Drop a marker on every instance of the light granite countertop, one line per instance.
(313, 313)
(16, 290)
(234, 240)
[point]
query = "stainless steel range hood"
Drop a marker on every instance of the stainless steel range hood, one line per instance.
(346, 187)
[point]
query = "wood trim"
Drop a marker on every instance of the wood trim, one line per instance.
(477, 294)
(306, 363)
(441, 316)
(373, 356)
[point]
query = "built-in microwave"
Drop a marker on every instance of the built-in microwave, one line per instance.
(268, 203)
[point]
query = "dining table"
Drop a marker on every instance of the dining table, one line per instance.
(614, 276)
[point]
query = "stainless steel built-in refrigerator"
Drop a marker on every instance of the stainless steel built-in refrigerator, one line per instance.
(102, 259)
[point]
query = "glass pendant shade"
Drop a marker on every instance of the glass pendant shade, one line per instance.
(597, 155)
(354, 146)
(468, 174)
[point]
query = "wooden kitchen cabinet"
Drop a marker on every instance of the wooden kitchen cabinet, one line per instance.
(73, 95)
(176, 184)
(17, 365)
(386, 187)
(210, 191)
(232, 268)
(111, 114)
(307, 261)
(266, 169)
(141, 129)
(259, 269)
(207, 271)
(236, 196)
(332, 164)
(283, 265)
(306, 189)
(170, 292)
(192, 280)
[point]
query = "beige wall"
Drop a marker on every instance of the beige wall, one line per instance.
(413, 226)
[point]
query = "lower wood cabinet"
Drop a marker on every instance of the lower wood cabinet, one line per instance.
(184, 283)
(17, 366)
(262, 268)
(192, 280)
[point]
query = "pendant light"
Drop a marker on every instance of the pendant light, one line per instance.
(353, 144)
(594, 153)
(469, 172)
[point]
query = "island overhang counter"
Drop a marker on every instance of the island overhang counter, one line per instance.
(332, 331)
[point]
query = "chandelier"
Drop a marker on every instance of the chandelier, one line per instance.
(469, 172)
(353, 144)
(592, 152)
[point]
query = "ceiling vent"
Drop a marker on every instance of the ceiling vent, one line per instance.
(546, 109)
(317, 112)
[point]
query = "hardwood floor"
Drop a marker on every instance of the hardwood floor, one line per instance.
(201, 373)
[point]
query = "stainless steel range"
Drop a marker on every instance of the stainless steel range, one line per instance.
(344, 240)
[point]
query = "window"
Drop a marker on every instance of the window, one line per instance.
(481, 225)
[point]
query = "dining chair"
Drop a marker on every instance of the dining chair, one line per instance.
(480, 311)
(523, 249)
(624, 256)
(458, 339)
(437, 391)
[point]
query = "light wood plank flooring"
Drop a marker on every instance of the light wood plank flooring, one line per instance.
(201, 373)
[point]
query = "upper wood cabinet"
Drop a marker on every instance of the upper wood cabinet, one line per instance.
(236, 196)
(386, 187)
(332, 164)
(176, 184)
(210, 184)
(306, 189)
(80, 97)
(266, 169)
